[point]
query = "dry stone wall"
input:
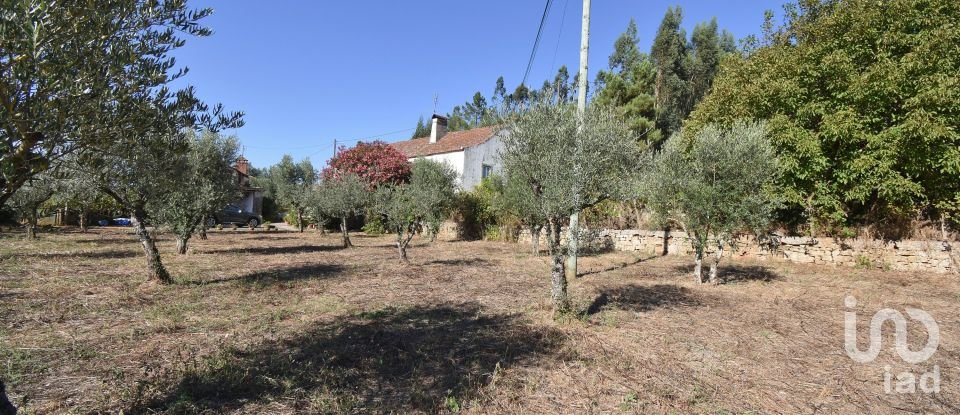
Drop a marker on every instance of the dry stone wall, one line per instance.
(927, 256)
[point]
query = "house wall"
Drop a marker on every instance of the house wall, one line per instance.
(252, 201)
(475, 157)
(453, 159)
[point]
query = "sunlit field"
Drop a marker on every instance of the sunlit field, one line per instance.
(277, 322)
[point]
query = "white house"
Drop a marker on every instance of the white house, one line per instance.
(473, 154)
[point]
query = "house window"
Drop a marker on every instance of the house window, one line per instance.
(486, 171)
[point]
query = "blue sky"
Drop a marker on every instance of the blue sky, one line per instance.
(309, 72)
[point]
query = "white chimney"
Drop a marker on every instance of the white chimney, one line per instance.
(438, 128)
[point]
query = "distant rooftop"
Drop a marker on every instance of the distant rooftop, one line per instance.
(449, 142)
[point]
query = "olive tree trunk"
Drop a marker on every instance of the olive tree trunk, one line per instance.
(716, 263)
(157, 272)
(698, 262)
(402, 248)
(403, 253)
(32, 225)
(83, 220)
(403, 241)
(182, 245)
(558, 278)
(535, 239)
(666, 241)
(345, 233)
(6, 407)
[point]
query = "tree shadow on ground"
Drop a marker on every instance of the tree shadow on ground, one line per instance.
(641, 298)
(268, 238)
(472, 262)
(614, 267)
(275, 250)
(734, 273)
(387, 361)
(132, 240)
(112, 254)
(277, 275)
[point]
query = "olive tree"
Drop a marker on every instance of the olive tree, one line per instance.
(514, 198)
(140, 166)
(75, 189)
(568, 163)
(714, 186)
(6, 407)
(406, 208)
(294, 185)
(30, 198)
(203, 183)
(342, 196)
(62, 61)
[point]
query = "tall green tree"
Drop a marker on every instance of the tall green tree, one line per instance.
(628, 87)
(204, 183)
(714, 185)
(567, 168)
(29, 200)
(514, 198)
(626, 52)
(406, 208)
(704, 61)
(863, 109)
(500, 93)
(139, 174)
(669, 55)
(476, 111)
(342, 195)
(137, 166)
(63, 63)
(561, 85)
(75, 192)
(294, 184)
(422, 130)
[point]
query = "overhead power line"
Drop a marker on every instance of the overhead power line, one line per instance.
(563, 19)
(337, 141)
(536, 42)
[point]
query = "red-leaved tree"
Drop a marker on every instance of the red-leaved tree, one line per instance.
(376, 163)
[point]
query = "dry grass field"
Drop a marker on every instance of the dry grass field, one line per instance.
(290, 323)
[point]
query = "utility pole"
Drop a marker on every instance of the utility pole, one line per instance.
(334, 147)
(573, 243)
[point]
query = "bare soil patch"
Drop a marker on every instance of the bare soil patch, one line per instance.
(282, 322)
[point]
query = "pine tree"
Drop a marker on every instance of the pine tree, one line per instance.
(669, 54)
(626, 54)
(500, 93)
(705, 55)
(422, 130)
(628, 87)
(561, 84)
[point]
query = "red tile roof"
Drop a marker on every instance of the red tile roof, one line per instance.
(451, 141)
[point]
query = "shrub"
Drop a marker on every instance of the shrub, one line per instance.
(377, 163)
(373, 225)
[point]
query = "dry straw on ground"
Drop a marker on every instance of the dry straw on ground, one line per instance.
(290, 323)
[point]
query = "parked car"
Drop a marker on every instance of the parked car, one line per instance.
(235, 215)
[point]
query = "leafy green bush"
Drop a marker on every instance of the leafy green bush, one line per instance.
(291, 218)
(474, 211)
(373, 225)
(492, 232)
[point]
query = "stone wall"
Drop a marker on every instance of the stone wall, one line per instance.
(927, 256)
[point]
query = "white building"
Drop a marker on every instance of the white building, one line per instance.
(473, 154)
